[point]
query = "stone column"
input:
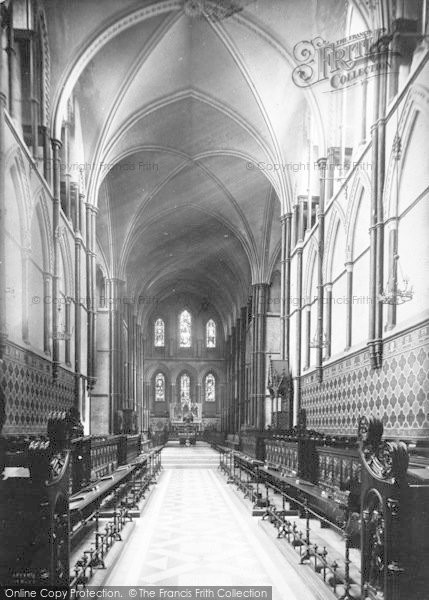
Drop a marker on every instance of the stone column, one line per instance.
(381, 160)
(285, 286)
(349, 305)
(147, 403)
(286, 345)
(298, 335)
(130, 344)
(237, 368)
(242, 393)
(321, 247)
(67, 174)
(47, 313)
(393, 271)
(173, 397)
(364, 90)
(11, 55)
(3, 320)
(307, 321)
(328, 289)
(115, 367)
(25, 257)
(34, 103)
(259, 382)
(47, 172)
(77, 288)
(139, 377)
(56, 164)
(91, 212)
(233, 376)
(67, 342)
(135, 361)
(228, 396)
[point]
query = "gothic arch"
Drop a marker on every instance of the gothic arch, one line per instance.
(41, 207)
(67, 265)
(309, 270)
(16, 167)
(353, 229)
(184, 368)
(335, 223)
(46, 58)
(417, 101)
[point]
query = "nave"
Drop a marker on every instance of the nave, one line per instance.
(213, 230)
(196, 531)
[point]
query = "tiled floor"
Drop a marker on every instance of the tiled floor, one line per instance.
(195, 531)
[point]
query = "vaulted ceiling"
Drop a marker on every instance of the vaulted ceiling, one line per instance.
(183, 114)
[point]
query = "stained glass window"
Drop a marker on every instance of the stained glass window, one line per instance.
(160, 388)
(210, 388)
(159, 333)
(185, 389)
(185, 329)
(211, 334)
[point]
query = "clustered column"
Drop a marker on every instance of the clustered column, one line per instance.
(78, 241)
(91, 213)
(298, 322)
(56, 183)
(3, 330)
(285, 286)
(242, 400)
(321, 245)
(237, 393)
(260, 293)
(115, 369)
(378, 136)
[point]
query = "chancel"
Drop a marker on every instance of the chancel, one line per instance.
(214, 298)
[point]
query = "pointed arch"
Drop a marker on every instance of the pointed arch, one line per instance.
(41, 207)
(68, 265)
(416, 102)
(312, 252)
(15, 166)
(335, 228)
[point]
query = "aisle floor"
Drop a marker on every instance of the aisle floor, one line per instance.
(195, 531)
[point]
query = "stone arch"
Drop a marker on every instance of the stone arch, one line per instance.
(67, 265)
(15, 166)
(417, 101)
(311, 264)
(335, 223)
(46, 61)
(41, 206)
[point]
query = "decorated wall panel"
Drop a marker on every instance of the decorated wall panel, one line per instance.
(30, 391)
(398, 393)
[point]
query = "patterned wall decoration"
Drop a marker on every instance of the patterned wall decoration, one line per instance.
(398, 393)
(30, 393)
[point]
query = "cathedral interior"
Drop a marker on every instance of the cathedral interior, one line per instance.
(214, 298)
